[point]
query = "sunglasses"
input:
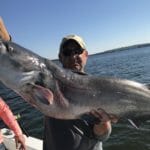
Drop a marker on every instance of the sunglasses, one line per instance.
(72, 51)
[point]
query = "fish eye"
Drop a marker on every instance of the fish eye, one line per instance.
(10, 49)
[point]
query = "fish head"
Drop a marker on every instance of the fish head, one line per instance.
(21, 68)
(19, 64)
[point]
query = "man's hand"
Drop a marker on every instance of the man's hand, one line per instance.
(20, 142)
(103, 126)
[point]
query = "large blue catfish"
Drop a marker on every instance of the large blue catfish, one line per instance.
(60, 93)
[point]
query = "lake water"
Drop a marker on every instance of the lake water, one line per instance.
(133, 64)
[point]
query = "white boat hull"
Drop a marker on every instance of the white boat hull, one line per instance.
(31, 142)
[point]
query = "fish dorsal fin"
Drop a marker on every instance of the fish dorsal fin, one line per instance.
(133, 124)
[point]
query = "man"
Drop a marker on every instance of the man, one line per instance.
(87, 133)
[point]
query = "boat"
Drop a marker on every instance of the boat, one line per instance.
(32, 143)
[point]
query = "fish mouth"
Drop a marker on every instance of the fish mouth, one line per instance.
(33, 92)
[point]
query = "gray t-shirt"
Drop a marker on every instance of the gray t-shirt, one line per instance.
(69, 135)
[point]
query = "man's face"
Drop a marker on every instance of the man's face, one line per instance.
(73, 57)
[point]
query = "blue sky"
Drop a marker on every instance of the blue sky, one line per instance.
(39, 25)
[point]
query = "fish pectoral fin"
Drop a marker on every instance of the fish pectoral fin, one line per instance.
(133, 124)
(43, 94)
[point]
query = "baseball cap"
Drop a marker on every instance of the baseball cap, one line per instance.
(74, 37)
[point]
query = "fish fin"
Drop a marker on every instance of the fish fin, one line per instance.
(43, 94)
(133, 124)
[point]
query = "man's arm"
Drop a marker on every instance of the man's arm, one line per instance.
(3, 31)
(102, 128)
(9, 119)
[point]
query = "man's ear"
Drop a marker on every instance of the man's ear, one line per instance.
(86, 53)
